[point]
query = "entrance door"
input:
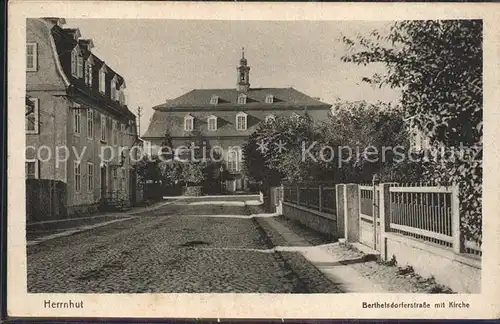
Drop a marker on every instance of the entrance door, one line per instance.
(103, 182)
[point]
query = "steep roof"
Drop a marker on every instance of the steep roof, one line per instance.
(173, 121)
(65, 43)
(282, 98)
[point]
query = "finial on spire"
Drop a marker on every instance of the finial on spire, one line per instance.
(242, 52)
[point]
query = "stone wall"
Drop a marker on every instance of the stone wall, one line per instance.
(313, 219)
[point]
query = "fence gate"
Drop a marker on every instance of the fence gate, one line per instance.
(369, 230)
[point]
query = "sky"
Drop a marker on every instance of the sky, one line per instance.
(163, 59)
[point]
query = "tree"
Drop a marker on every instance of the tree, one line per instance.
(274, 150)
(438, 67)
(366, 139)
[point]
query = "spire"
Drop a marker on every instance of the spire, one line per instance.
(243, 61)
(243, 83)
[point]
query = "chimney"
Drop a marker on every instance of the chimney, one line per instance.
(86, 44)
(73, 32)
(56, 21)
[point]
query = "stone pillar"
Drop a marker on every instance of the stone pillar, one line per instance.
(351, 212)
(385, 219)
(339, 203)
(458, 238)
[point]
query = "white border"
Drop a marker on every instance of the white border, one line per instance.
(484, 305)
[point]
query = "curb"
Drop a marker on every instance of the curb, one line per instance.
(74, 231)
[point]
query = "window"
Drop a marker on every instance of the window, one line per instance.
(113, 89)
(32, 116)
(232, 160)
(103, 128)
(78, 176)
(90, 123)
(269, 98)
(113, 134)
(188, 123)
(102, 79)
(242, 99)
(32, 171)
(74, 55)
(77, 117)
(90, 177)
(79, 66)
(88, 72)
(270, 118)
(31, 57)
(212, 123)
(123, 133)
(241, 121)
(214, 100)
(76, 63)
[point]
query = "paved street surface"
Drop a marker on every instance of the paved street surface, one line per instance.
(177, 248)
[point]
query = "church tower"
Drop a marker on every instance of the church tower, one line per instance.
(243, 83)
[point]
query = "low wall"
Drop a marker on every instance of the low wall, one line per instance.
(45, 200)
(318, 221)
(461, 273)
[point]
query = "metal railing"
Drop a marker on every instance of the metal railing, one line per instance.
(429, 213)
(423, 212)
(316, 196)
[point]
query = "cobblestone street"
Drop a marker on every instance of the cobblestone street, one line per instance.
(181, 247)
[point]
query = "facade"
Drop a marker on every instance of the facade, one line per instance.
(79, 111)
(226, 117)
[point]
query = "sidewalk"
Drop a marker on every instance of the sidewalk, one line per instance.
(353, 268)
(332, 260)
(47, 230)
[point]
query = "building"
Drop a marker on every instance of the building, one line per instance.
(79, 111)
(226, 117)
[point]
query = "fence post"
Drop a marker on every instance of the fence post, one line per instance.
(375, 209)
(281, 197)
(351, 212)
(320, 201)
(458, 242)
(298, 194)
(339, 204)
(385, 217)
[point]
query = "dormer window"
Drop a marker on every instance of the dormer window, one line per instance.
(242, 99)
(269, 98)
(212, 123)
(214, 100)
(76, 63)
(114, 91)
(270, 118)
(241, 121)
(88, 71)
(188, 123)
(102, 79)
(31, 57)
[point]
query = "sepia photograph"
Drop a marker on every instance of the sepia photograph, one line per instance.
(235, 156)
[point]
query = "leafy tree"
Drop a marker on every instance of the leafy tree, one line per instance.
(438, 67)
(274, 150)
(193, 173)
(366, 139)
(148, 169)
